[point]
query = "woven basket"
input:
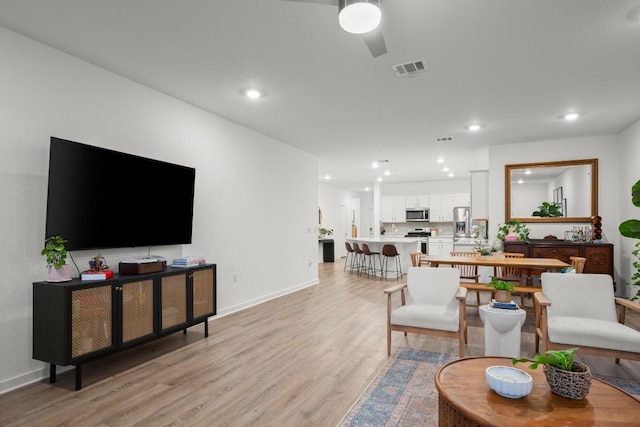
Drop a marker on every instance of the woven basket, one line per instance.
(573, 384)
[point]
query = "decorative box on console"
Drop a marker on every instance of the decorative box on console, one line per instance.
(142, 268)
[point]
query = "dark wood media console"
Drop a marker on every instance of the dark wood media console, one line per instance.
(79, 321)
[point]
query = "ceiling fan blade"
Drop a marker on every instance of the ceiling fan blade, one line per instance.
(375, 42)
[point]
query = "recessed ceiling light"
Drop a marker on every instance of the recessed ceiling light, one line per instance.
(570, 117)
(387, 173)
(327, 176)
(520, 181)
(367, 189)
(445, 169)
(440, 160)
(451, 175)
(527, 172)
(474, 127)
(379, 179)
(375, 164)
(253, 93)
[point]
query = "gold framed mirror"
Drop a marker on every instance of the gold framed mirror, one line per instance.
(563, 191)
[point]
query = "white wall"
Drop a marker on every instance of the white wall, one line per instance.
(255, 197)
(604, 148)
(629, 159)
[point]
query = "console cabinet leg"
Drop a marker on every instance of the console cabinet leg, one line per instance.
(78, 377)
(52, 373)
(206, 327)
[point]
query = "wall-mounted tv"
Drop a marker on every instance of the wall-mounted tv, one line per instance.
(99, 198)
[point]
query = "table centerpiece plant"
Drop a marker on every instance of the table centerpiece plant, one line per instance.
(565, 376)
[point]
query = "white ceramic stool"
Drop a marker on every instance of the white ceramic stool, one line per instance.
(502, 331)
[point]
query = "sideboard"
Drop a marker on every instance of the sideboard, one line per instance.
(599, 256)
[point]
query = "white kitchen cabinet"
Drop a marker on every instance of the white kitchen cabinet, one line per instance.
(441, 205)
(393, 208)
(417, 201)
(440, 245)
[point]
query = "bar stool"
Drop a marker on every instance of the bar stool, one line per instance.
(370, 257)
(359, 258)
(390, 251)
(350, 253)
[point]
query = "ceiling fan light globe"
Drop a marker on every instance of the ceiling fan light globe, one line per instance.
(359, 17)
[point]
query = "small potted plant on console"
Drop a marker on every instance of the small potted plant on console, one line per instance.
(503, 289)
(56, 254)
(566, 377)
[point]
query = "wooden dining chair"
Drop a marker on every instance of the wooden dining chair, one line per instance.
(468, 273)
(578, 263)
(510, 274)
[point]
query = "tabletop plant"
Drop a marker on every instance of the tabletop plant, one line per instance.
(513, 227)
(326, 231)
(55, 251)
(561, 359)
(631, 228)
(501, 285)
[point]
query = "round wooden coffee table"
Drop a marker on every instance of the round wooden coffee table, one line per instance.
(465, 399)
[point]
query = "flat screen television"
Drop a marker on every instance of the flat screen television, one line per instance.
(99, 198)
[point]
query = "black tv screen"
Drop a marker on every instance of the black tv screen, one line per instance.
(99, 198)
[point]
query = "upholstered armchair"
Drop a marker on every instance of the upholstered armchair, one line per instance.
(432, 302)
(581, 310)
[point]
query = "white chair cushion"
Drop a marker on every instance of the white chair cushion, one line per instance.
(580, 331)
(444, 318)
(580, 295)
(429, 285)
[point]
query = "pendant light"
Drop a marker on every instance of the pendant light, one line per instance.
(359, 16)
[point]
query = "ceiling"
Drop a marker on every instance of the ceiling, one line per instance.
(513, 65)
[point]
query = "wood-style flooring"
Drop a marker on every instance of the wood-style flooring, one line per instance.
(299, 360)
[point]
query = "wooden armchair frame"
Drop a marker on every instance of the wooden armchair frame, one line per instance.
(542, 333)
(460, 334)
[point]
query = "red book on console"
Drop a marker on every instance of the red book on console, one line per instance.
(96, 275)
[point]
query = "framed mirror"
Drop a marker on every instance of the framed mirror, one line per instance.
(565, 191)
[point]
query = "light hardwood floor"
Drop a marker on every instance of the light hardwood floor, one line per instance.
(299, 360)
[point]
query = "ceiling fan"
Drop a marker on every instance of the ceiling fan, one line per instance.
(364, 14)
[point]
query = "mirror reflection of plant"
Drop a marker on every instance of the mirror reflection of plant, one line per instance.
(631, 228)
(548, 209)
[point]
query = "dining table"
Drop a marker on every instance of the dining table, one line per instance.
(525, 264)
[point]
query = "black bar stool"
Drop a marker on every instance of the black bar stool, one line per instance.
(390, 251)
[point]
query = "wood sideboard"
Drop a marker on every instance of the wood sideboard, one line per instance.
(599, 255)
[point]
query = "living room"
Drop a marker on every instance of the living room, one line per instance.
(49, 93)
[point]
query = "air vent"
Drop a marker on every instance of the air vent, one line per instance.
(410, 68)
(444, 138)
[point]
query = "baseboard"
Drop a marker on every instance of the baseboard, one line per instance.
(29, 378)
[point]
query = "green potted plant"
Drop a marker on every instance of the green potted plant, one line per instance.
(56, 254)
(503, 289)
(324, 232)
(548, 209)
(631, 228)
(566, 377)
(516, 228)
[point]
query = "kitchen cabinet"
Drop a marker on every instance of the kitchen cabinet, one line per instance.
(393, 208)
(440, 245)
(78, 321)
(417, 201)
(441, 205)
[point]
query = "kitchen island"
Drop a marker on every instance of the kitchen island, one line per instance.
(404, 246)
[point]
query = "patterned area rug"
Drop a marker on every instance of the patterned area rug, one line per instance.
(404, 393)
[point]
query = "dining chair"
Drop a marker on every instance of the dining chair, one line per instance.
(578, 263)
(468, 273)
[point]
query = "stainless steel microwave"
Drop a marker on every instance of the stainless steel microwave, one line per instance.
(417, 214)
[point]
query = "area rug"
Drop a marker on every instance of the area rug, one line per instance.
(404, 393)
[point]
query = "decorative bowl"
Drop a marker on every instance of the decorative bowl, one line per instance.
(509, 382)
